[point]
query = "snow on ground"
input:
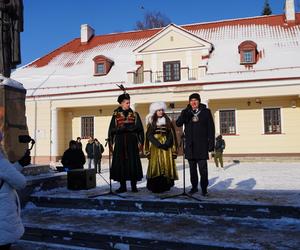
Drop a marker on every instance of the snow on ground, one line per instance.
(259, 183)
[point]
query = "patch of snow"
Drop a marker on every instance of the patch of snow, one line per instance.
(10, 82)
(121, 246)
(67, 238)
(30, 205)
(263, 210)
(139, 206)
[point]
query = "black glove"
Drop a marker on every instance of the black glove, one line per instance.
(26, 159)
(211, 146)
(188, 114)
(164, 146)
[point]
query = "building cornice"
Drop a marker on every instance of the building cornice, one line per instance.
(166, 86)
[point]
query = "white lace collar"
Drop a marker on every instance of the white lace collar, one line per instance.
(161, 121)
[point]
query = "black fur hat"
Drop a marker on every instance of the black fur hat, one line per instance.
(195, 96)
(124, 96)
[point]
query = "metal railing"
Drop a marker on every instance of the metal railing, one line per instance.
(158, 76)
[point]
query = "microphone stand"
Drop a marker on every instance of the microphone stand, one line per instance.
(184, 193)
(109, 183)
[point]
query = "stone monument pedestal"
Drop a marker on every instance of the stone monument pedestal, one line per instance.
(12, 117)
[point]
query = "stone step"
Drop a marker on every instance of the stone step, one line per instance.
(168, 206)
(134, 230)
(45, 181)
(35, 169)
(34, 245)
(105, 241)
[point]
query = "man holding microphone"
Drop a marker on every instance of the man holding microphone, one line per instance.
(199, 130)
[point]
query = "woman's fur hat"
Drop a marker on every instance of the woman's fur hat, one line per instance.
(153, 108)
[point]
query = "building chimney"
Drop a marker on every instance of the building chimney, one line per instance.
(290, 15)
(86, 32)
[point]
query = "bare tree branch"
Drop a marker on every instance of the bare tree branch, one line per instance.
(153, 20)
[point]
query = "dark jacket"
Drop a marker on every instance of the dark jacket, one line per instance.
(98, 150)
(79, 145)
(220, 145)
(200, 135)
(73, 159)
(89, 149)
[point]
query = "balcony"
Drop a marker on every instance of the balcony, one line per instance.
(147, 76)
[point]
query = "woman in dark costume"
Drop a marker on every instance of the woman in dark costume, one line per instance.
(126, 139)
(161, 149)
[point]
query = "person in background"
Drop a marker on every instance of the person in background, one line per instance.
(89, 149)
(161, 149)
(73, 158)
(11, 179)
(78, 143)
(98, 150)
(199, 133)
(219, 148)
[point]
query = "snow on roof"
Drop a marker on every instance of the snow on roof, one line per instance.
(71, 66)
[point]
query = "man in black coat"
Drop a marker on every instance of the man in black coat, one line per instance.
(199, 130)
(126, 139)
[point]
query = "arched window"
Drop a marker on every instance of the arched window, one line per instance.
(102, 65)
(248, 52)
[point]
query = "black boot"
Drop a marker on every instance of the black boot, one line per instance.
(122, 188)
(133, 187)
(193, 190)
(204, 192)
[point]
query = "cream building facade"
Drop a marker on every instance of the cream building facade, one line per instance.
(246, 70)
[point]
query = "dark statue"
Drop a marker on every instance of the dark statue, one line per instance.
(11, 24)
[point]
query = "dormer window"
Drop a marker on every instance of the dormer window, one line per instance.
(102, 65)
(100, 69)
(248, 53)
(248, 56)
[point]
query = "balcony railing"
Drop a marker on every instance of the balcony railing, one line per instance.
(157, 76)
(186, 74)
(193, 74)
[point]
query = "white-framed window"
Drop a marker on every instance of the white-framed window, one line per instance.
(272, 121)
(87, 127)
(227, 122)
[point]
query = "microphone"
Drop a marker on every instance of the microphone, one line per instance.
(26, 139)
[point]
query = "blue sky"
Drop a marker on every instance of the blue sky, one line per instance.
(50, 24)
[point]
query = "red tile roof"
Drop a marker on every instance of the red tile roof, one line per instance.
(273, 20)
(75, 45)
